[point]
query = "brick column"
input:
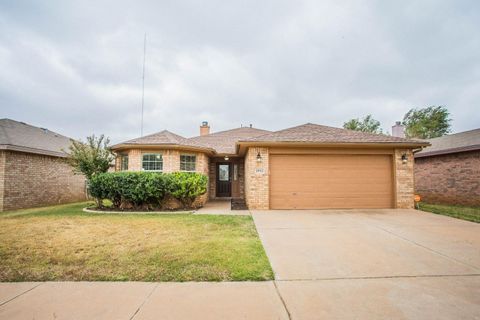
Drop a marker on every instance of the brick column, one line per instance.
(257, 179)
(404, 180)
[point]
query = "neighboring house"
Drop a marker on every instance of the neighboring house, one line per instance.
(448, 172)
(33, 170)
(304, 167)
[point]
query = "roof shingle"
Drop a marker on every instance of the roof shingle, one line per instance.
(20, 136)
(224, 142)
(457, 142)
(162, 137)
(315, 133)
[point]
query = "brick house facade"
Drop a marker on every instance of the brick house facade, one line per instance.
(448, 172)
(449, 178)
(33, 180)
(237, 161)
(33, 170)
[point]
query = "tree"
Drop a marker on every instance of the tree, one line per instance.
(427, 123)
(91, 157)
(367, 124)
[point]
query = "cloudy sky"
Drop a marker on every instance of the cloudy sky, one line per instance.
(76, 67)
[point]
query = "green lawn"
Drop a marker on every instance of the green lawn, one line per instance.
(460, 212)
(65, 243)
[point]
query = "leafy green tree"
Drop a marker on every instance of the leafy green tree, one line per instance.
(427, 123)
(367, 124)
(91, 157)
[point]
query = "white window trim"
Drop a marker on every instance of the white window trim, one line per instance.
(189, 155)
(152, 153)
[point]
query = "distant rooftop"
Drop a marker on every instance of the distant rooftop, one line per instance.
(19, 136)
(457, 142)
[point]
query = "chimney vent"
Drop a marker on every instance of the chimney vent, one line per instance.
(398, 130)
(204, 128)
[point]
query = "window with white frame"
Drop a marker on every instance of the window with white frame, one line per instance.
(152, 162)
(187, 162)
(124, 162)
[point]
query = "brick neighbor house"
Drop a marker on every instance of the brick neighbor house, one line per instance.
(33, 171)
(304, 167)
(448, 172)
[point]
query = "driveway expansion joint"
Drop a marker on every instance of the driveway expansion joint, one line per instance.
(144, 301)
(384, 277)
(282, 300)
(20, 294)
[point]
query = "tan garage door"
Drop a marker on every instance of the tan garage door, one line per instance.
(330, 181)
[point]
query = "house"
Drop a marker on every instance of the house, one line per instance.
(33, 170)
(305, 167)
(448, 172)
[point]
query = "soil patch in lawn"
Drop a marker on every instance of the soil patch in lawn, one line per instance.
(65, 243)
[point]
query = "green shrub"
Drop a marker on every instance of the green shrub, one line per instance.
(187, 186)
(146, 190)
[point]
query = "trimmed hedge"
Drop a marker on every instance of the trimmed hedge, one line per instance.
(147, 190)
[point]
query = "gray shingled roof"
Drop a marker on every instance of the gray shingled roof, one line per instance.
(162, 137)
(19, 136)
(224, 142)
(315, 133)
(457, 142)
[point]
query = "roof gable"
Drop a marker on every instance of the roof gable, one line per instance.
(162, 137)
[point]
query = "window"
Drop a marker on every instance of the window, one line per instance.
(223, 172)
(187, 162)
(152, 162)
(124, 162)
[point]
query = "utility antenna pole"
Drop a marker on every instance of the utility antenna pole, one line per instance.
(143, 78)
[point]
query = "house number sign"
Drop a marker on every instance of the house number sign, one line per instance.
(259, 170)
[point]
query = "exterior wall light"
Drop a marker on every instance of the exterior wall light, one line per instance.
(259, 157)
(404, 158)
(226, 158)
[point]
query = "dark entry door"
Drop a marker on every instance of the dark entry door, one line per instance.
(224, 180)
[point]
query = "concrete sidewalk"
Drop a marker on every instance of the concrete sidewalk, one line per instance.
(140, 300)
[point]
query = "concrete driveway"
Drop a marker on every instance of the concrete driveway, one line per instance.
(373, 264)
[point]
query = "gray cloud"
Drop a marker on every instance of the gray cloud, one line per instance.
(75, 67)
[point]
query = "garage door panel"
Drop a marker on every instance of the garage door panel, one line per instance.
(330, 181)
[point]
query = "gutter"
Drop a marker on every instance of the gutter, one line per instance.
(121, 146)
(427, 153)
(243, 144)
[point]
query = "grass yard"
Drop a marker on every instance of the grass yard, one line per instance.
(65, 243)
(460, 212)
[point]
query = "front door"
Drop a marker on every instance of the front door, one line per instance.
(224, 180)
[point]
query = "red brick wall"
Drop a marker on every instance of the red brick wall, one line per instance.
(449, 179)
(31, 180)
